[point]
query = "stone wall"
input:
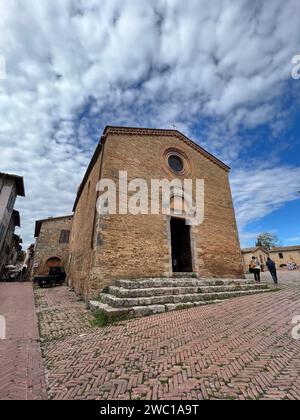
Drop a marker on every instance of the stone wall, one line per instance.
(107, 248)
(288, 256)
(48, 245)
(258, 253)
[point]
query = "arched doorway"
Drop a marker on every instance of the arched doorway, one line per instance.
(53, 262)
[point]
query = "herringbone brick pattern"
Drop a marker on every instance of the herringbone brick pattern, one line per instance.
(22, 375)
(238, 349)
(60, 313)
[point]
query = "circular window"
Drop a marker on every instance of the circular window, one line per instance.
(176, 163)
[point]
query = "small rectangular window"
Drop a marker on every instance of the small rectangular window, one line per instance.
(11, 202)
(64, 237)
(1, 231)
(281, 255)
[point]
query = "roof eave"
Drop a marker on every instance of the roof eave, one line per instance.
(89, 169)
(19, 182)
(38, 223)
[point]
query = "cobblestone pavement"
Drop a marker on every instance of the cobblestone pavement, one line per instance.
(285, 277)
(22, 375)
(60, 313)
(238, 349)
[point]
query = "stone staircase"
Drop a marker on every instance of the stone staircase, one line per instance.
(137, 298)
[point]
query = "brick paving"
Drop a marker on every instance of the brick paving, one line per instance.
(238, 349)
(22, 376)
(285, 277)
(60, 313)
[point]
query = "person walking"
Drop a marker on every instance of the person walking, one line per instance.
(272, 268)
(23, 273)
(255, 269)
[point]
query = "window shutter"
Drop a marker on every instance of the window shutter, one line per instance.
(64, 237)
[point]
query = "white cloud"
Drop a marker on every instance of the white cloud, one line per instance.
(73, 66)
(294, 240)
(261, 191)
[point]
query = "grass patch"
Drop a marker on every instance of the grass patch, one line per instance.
(101, 319)
(163, 381)
(275, 289)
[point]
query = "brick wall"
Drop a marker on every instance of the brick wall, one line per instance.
(82, 253)
(128, 246)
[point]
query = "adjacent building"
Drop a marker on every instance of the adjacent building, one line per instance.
(260, 253)
(280, 255)
(12, 245)
(52, 244)
(29, 260)
(286, 254)
(11, 186)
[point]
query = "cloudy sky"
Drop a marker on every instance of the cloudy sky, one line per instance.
(219, 70)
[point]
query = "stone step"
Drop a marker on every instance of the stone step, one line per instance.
(137, 298)
(140, 311)
(182, 275)
(130, 302)
(121, 292)
(182, 282)
(95, 305)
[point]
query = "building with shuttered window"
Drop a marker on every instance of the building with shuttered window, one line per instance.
(11, 186)
(52, 243)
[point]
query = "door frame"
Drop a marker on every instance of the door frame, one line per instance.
(193, 242)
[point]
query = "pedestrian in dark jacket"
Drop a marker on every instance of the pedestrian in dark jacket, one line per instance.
(272, 268)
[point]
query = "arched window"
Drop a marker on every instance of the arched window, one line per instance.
(54, 262)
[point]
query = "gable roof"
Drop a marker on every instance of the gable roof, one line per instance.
(110, 129)
(18, 180)
(254, 249)
(117, 130)
(285, 248)
(272, 250)
(38, 223)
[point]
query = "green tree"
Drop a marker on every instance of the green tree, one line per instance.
(267, 240)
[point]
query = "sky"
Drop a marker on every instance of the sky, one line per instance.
(220, 71)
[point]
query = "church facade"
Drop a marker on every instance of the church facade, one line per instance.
(108, 246)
